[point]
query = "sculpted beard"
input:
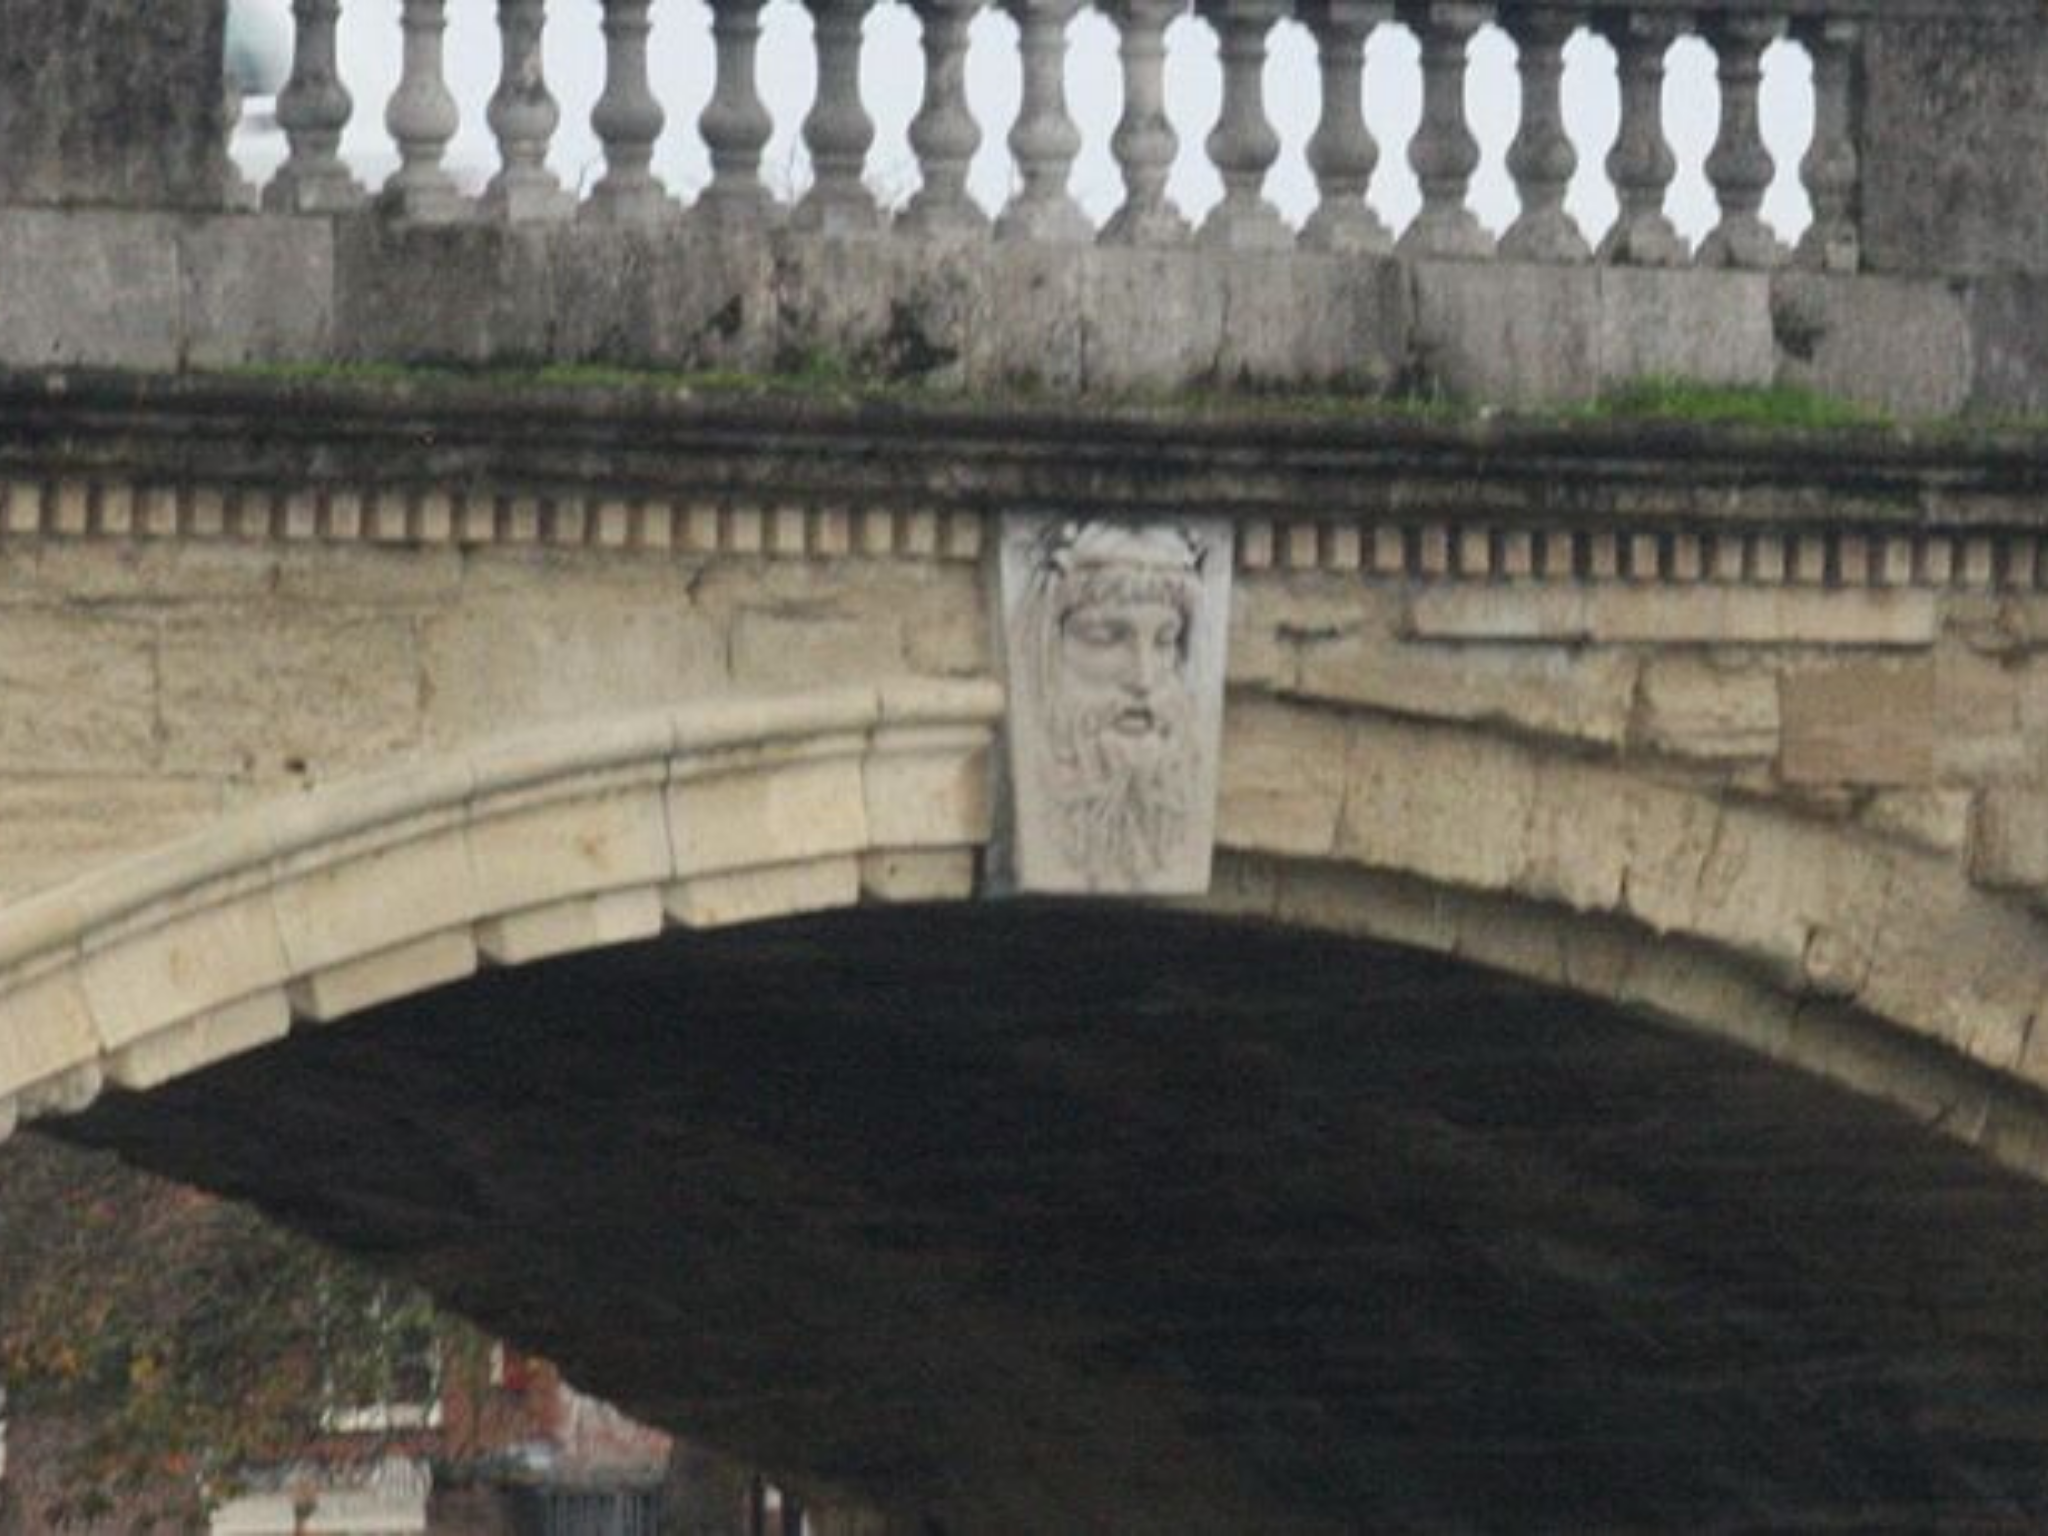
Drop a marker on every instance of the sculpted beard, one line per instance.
(1122, 800)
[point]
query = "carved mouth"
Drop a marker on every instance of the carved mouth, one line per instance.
(1135, 721)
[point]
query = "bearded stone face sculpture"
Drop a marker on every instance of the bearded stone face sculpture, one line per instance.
(1115, 648)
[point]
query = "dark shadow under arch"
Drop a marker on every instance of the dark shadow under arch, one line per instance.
(1044, 1218)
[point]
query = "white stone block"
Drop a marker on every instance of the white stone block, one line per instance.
(572, 846)
(190, 962)
(928, 787)
(338, 905)
(922, 875)
(757, 809)
(751, 895)
(401, 971)
(213, 1036)
(45, 1029)
(569, 927)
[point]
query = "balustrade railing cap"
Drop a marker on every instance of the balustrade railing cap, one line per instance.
(1873, 10)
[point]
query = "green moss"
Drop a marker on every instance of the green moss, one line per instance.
(1664, 399)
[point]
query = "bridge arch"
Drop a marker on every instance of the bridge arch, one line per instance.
(377, 887)
(1863, 961)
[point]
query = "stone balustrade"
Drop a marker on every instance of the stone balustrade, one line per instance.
(1917, 286)
(629, 119)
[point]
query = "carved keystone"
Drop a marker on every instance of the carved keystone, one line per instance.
(1115, 638)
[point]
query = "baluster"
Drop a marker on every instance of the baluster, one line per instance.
(523, 115)
(1542, 158)
(1341, 151)
(839, 130)
(422, 117)
(627, 120)
(944, 133)
(313, 109)
(1831, 167)
(1243, 146)
(1444, 153)
(240, 195)
(1044, 139)
(1739, 165)
(1641, 164)
(735, 124)
(1144, 142)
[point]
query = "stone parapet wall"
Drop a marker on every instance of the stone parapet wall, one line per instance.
(162, 293)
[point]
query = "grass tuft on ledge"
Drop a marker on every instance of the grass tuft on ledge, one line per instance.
(1777, 405)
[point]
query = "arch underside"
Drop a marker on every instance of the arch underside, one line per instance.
(1030, 1217)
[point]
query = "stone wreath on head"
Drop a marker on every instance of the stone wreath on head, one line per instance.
(1098, 562)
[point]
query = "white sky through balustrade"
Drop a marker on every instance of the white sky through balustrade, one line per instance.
(892, 75)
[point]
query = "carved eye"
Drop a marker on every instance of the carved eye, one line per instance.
(1099, 630)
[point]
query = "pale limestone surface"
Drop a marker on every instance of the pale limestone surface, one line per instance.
(1782, 783)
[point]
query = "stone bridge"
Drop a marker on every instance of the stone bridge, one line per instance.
(1618, 876)
(323, 696)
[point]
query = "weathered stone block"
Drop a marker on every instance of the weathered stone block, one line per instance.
(754, 895)
(2008, 317)
(53, 827)
(1391, 909)
(257, 290)
(1513, 333)
(1900, 345)
(1955, 146)
(215, 1036)
(811, 647)
(340, 990)
(49, 1031)
(1617, 613)
(533, 651)
(1694, 708)
(113, 101)
(1860, 723)
(188, 964)
(1154, 319)
(928, 788)
(1797, 897)
(1282, 779)
(612, 836)
(335, 906)
(270, 694)
(77, 692)
(1551, 691)
(1447, 806)
(1306, 321)
(1934, 819)
(664, 296)
(1576, 693)
(1711, 327)
(1980, 729)
(2009, 837)
(567, 927)
(443, 293)
(771, 809)
(1966, 970)
(941, 875)
(90, 288)
(1031, 333)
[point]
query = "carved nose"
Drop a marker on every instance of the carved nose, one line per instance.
(1144, 671)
